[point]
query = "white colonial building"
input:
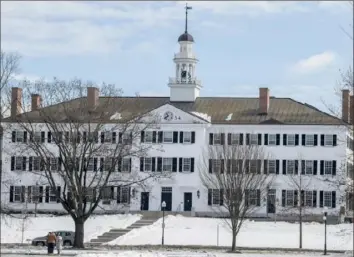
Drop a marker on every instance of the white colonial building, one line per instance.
(301, 139)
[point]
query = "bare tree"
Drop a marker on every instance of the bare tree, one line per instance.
(83, 145)
(232, 174)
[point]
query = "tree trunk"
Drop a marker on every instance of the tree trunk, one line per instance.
(79, 233)
(233, 246)
(300, 227)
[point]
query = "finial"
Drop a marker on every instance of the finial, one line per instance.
(187, 8)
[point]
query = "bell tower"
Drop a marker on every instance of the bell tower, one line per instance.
(185, 86)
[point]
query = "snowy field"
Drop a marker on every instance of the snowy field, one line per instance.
(11, 228)
(202, 231)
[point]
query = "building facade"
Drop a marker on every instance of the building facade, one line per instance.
(299, 139)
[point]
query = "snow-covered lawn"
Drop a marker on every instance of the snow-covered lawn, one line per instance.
(11, 228)
(203, 231)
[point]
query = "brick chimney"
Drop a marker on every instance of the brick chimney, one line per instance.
(345, 105)
(36, 102)
(263, 100)
(92, 96)
(16, 101)
(352, 109)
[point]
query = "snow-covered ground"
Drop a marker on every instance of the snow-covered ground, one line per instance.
(11, 228)
(203, 231)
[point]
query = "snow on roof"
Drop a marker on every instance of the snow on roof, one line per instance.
(116, 116)
(202, 115)
(228, 118)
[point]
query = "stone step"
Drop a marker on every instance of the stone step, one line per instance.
(119, 230)
(101, 241)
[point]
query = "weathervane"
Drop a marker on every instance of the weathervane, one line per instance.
(187, 8)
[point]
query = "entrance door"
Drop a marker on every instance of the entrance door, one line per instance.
(144, 201)
(166, 196)
(187, 201)
(271, 201)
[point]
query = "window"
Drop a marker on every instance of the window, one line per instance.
(216, 165)
(290, 196)
(310, 140)
(35, 194)
(90, 164)
(127, 138)
(253, 139)
(18, 194)
(253, 166)
(308, 198)
(89, 193)
(308, 167)
(328, 167)
(52, 195)
(186, 164)
(125, 192)
(56, 137)
(272, 166)
(148, 164)
(93, 137)
(290, 167)
(291, 139)
(107, 137)
(187, 137)
(37, 137)
(217, 138)
(328, 140)
(235, 139)
(272, 139)
(252, 197)
(167, 164)
(350, 170)
(107, 193)
(19, 136)
(126, 165)
(327, 199)
(36, 164)
(216, 197)
(53, 164)
(108, 164)
(18, 163)
(148, 136)
(167, 136)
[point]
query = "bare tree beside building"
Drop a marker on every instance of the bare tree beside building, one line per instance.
(232, 174)
(83, 147)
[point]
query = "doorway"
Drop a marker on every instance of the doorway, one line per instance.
(187, 201)
(271, 201)
(166, 196)
(144, 201)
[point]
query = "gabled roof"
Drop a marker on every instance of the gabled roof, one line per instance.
(244, 110)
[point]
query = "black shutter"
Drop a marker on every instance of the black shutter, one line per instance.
(84, 136)
(210, 194)
(322, 139)
(211, 138)
(29, 194)
(58, 194)
(174, 164)
(321, 167)
(30, 163)
(315, 140)
(259, 166)
(47, 194)
(102, 137)
(247, 139)
(118, 194)
(315, 167)
(296, 198)
(302, 198)
(221, 197)
(283, 195)
(142, 136)
(159, 164)
(258, 197)
(265, 139)
(303, 167)
(334, 140)
(130, 164)
(120, 137)
(303, 139)
(42, 136)
(119, 164)
(241, 139)
(259, 139)
(247, 197)
(25, 136)
(24, 163)
(12, 163)
(129, 194)
(181, 137)
(154, 137)
(175, 137)
(31, 136)
(321, 199)
(334, 199)
(23, 193)
(222, 138)
(296, 139)
(193, 137)
(334, 168)
(11, 194)
(153, 164)
(160, 136)
(284, 167)
(49, 135)
(13, 136)
(192, 164)
(278, 139)
(59, 163)
(229, 138)
(142, 163)
(210, 166)
(101, 164)
(265, 166)
(112, 192)
(114, 137)
(296, 167)
(314, 199)
(40, 194)
(222, 163)
(285, 138)
(277, 166)
(180, 164)
(95, 160)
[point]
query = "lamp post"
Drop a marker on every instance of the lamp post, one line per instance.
(163, 205)
(325, 236)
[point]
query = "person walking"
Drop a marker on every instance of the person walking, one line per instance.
(51, 239)
(59, 243)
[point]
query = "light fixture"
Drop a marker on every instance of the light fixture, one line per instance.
(198, 194)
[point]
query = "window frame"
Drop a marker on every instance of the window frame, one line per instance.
(253, 139)
(18, 163)
(309, 138)
(289, 198)
(215, 197)
(186, 164)
(327, 198)
(124, 195)
(327, 138)
(187, 137)
(37, 136)
(235, 138)
(216, 165)
(105, 196)
(148, 163)
(309, 167)
(54, 165)
(290, 139)
(308, 198)
(126, 164)
(89, 194)
(293, 162)
(272, 141)
(148, 137)
(90, 164)
(252, 197)
(19, 135)
(270, 171)
(52, 195)
(35, 194)
(17, 193)
(164, 165)
(36, 163)
(165, 136)
(217, 139)
(107, 163)
(108, 137)
(325, 167)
